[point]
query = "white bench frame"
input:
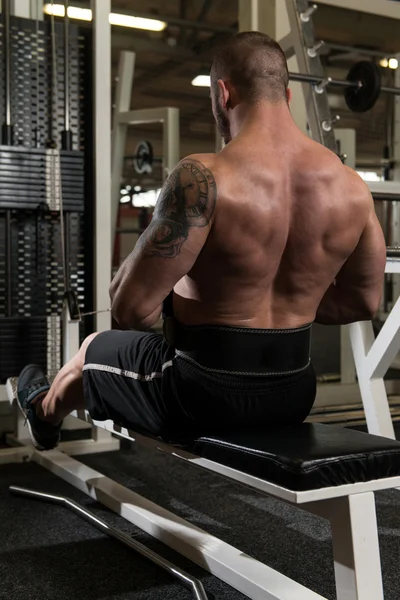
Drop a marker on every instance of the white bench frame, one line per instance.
(373, 357)
(349, 508)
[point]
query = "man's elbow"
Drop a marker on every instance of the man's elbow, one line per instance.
(369, 306)
(119, 314)
(121, 311)
(129, 316)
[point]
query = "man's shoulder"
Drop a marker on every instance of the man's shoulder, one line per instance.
(202, 160)
(202, 168)
(355, 183)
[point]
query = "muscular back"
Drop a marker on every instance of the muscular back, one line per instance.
(287, 218)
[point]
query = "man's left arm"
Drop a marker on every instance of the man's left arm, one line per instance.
(168, 248)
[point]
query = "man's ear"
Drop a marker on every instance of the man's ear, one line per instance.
(223, 93)
(289, 95)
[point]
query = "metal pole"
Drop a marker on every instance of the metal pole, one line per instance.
(393, 252)
(386, 196)
(317, 105)
(123, 98)
(7, 129)
(9, 262)
(171, 141)
(187, 580)
(7, 57)
(66, 66)
(102, 159)
(66, 136)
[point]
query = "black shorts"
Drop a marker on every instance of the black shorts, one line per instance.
(139, 381)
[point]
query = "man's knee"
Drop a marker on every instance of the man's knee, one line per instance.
(85, 344)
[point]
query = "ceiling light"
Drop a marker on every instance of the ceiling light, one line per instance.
(391, 63)
(85, 14)
(74, 12)
(201, 81)
(136, 22)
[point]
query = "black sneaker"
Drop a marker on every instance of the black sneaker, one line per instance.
(31, 382)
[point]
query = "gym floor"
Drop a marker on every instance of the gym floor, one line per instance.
(48, 553)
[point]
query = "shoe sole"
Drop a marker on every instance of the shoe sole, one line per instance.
(34, 440)
(31, 434)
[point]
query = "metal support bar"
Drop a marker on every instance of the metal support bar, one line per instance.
(102, 158)
(317, 105)
(226, 562)
(355, 545)
(7, 59)
(70, 336)
(386, 346)
(123, 96)
(373, 392)
(36, 9)
(187, 580)
(171, 149)
(348, 146)
(257, 15)
(286, 44)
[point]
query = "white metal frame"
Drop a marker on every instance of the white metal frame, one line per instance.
(123, 97)
(373, 357)
(349, 508)
(123, 117)
(102, 159)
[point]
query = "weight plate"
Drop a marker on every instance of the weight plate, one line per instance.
(363, 98)
(143, 161)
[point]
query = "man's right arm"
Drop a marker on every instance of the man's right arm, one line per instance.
(357, 290)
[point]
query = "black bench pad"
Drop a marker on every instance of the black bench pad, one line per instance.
(304, 457)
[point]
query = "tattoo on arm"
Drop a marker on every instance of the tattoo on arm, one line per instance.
(186, 200)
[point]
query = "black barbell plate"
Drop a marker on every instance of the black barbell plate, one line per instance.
(363, 98)
(143, 161)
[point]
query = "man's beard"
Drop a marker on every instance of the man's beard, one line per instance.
(222, 123)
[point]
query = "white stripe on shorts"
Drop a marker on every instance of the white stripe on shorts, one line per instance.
(130, 374)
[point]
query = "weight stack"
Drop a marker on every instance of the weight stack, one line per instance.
(36, 184)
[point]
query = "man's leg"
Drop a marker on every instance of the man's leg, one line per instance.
(45, 406)
(66, 392)
(117, 375)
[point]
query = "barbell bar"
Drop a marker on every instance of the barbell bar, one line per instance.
(362, 85)
(313, 79)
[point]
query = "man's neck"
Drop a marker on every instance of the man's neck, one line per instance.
(264, 115)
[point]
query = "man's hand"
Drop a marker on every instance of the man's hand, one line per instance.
(168, 248)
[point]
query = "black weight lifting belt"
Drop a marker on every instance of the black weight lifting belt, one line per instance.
(240, 350)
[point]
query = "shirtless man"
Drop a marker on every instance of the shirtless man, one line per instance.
(256, 242)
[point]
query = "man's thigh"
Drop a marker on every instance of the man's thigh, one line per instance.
(122, 379)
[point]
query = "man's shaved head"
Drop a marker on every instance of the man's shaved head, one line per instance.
(255, 64)
(250, 67)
